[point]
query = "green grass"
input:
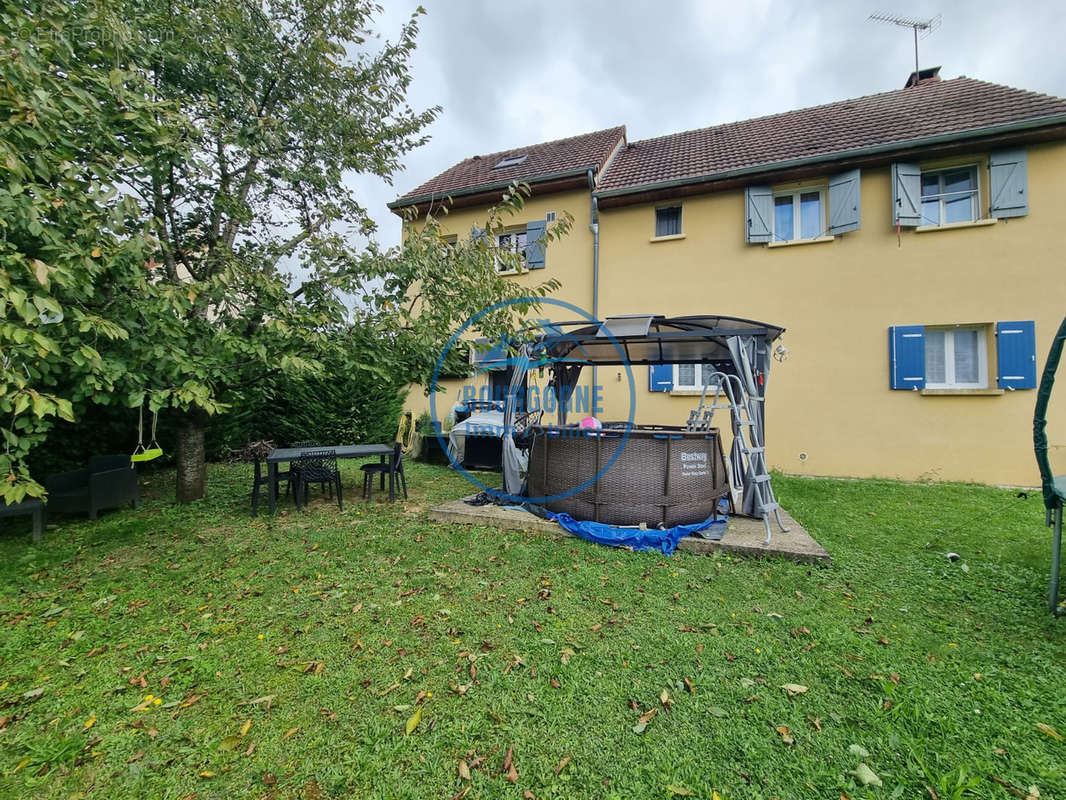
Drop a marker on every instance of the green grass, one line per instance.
(544, 645)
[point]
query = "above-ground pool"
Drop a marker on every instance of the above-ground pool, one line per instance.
(663, 476)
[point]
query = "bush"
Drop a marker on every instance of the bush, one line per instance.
(335, 408)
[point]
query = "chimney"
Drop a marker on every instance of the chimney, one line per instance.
(923, 76)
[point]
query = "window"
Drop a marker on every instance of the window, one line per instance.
(799, 215)
(693, 376)
(668, 221)
(949, 196)
(511, 242)
(956, 358)
(511, 161)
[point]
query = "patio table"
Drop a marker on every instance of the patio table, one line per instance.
(285, 454)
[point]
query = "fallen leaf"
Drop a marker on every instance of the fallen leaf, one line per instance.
(793, 689)
(859, 751)
(528, 795)
(510, 774)
(207, 774)
(461, 793)
(289, 733)
(90, 722)
(815, 721)
(566, 655)
(688, 685)
(866, 776)
(715, 711)
(464, 770)
(883, 640)
(680, 791)
(247, 726)
(413, 721)
(786, 734)
(665, 699)
(1047, 729)
(562, 764)
(135, 757)
(229, 744)
(645, 718)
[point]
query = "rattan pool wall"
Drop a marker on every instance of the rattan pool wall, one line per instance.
(663, 476)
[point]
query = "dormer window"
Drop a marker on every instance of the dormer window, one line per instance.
(511, 161)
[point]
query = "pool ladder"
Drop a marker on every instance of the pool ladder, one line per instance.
(746, 439)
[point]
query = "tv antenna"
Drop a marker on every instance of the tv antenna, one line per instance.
(925, 26)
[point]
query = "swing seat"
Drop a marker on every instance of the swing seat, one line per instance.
(147, 455)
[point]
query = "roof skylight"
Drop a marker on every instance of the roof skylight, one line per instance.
(511, 161)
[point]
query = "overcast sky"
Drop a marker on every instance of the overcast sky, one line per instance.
(515, 72)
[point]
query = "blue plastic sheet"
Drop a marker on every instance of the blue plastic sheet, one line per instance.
(664, 540)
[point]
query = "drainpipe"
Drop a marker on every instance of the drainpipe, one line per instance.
(594, 226)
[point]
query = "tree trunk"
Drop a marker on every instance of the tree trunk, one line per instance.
(192, 468)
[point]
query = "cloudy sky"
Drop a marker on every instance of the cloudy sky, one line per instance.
(514, 72)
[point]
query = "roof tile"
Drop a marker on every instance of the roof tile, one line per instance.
(590, 150)
(928, 109)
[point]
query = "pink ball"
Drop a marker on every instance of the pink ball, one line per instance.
(590, 423)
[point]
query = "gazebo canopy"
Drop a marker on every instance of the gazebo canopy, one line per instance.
(647, 339)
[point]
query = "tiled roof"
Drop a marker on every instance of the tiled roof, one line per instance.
(574, 154)
(927, 110)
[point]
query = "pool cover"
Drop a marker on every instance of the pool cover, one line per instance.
(665, 540)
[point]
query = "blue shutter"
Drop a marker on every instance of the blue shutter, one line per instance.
(660, 377)
(1009, 184)
(906, 195)
(535, 244)
(477, 234)
(1016, 355)
(906, 356)
(845, 202)
(759, 206)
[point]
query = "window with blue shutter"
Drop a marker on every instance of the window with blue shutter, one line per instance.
(759, 207)
(536, 244)
(477, 234)
(1008, 184)
(660, 377)
(906, 195)
(1016, 355)
(906, 356)
(845, 202)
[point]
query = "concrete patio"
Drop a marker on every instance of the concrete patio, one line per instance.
(744, 536)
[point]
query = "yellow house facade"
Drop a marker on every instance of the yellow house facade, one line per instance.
(909, 242)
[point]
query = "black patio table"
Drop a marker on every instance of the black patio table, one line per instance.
(285, 454)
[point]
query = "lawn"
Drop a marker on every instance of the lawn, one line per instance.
(176, 652)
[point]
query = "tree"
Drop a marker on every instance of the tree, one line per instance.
(232, 248)
(71, 122)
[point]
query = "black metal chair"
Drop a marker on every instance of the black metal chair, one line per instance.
(317, 466)
(383, 469)
(325, 486)
(262, 478)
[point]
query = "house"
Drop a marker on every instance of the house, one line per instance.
(909, 241)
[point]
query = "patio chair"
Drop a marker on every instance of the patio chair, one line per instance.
(383, 469)
(323, 486)
(108, 482)
(262, 478)
(317, 466)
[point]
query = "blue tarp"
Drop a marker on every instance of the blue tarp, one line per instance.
(664, 540)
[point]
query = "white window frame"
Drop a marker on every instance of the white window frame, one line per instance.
(680, 221)
(975, 205)
(502, 267)
(949, 356)
(797, 224)
(689, 387)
